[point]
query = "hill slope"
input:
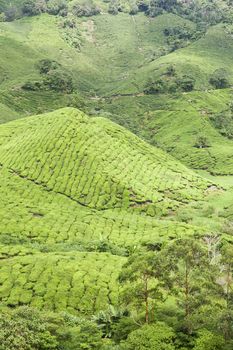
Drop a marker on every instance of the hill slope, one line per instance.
(94, 162)
(71, 184)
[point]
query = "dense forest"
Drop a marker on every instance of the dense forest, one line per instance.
(116, 175)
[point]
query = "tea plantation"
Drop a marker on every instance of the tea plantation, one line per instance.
(73, 187)
(76, 282)
(116, 175)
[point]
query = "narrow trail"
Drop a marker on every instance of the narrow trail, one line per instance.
(116, 96)
(137, 33)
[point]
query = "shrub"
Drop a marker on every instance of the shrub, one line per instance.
(185, 83)
(157, 7)
(57, 7)
(86, 336)
(86, 9)
(29, 8)
(133, 9)
(156, 336)
(59, 81)
(47, 65)
(2, 17)
(54, 78)
(11, 13)
(32, 85)
(113, 7)
(24, 329)
(219, 79)
(202, 142)
(209, 341)
(143, 5)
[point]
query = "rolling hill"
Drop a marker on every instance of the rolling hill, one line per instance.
(71, 184)
(116, 173)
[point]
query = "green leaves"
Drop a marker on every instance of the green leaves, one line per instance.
(157, 337)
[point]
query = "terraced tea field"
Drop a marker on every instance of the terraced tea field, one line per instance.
(57, 282)
(95, 163)
(71, 185)
(33, 215)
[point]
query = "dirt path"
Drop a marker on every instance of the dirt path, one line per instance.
(116, 96)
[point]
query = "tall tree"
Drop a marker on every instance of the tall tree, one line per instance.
(190, 276)
(226, 281)
(141, 284)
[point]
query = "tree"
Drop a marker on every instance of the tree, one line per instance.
(166, 4)
(185, 83)
(86, 336)
(11, 13)
(202, 142)
(156, 7)
(29, 8)
(57, 7)
(113, 7)
(209, 341)
(46, 65)
(87, 8)
(219, 79)
(41, 6)
(139, 277)
(59, 81)
(226, 280)
(133, 8)
(107, 320)
(157, 336)
(189, 276)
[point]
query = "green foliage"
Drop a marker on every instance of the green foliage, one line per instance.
(113, 7)
(170, 82)
(29, 8)
(209, 341)
(85, 9)
(191, 274)
(185, 83)
(202, 142)
(133, 8)
(11, 13)
(79, 195)
(59, 81)
(25, 329)
(84, 337)
(223, 121)
(46, 65)
(141, 290)
(157, 337)
(180, 36)
(111, 321)
(57, 7)
(219, 79)
(55, 78)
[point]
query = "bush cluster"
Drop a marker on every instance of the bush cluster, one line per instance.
(54, 77)
(170, 82)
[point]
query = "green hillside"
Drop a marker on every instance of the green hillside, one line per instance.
(61, 282)
(62, 190)
(176, 122)
(120, 171)
(116, 175)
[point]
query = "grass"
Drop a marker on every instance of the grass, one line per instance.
(128, 42)
(160, 120)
